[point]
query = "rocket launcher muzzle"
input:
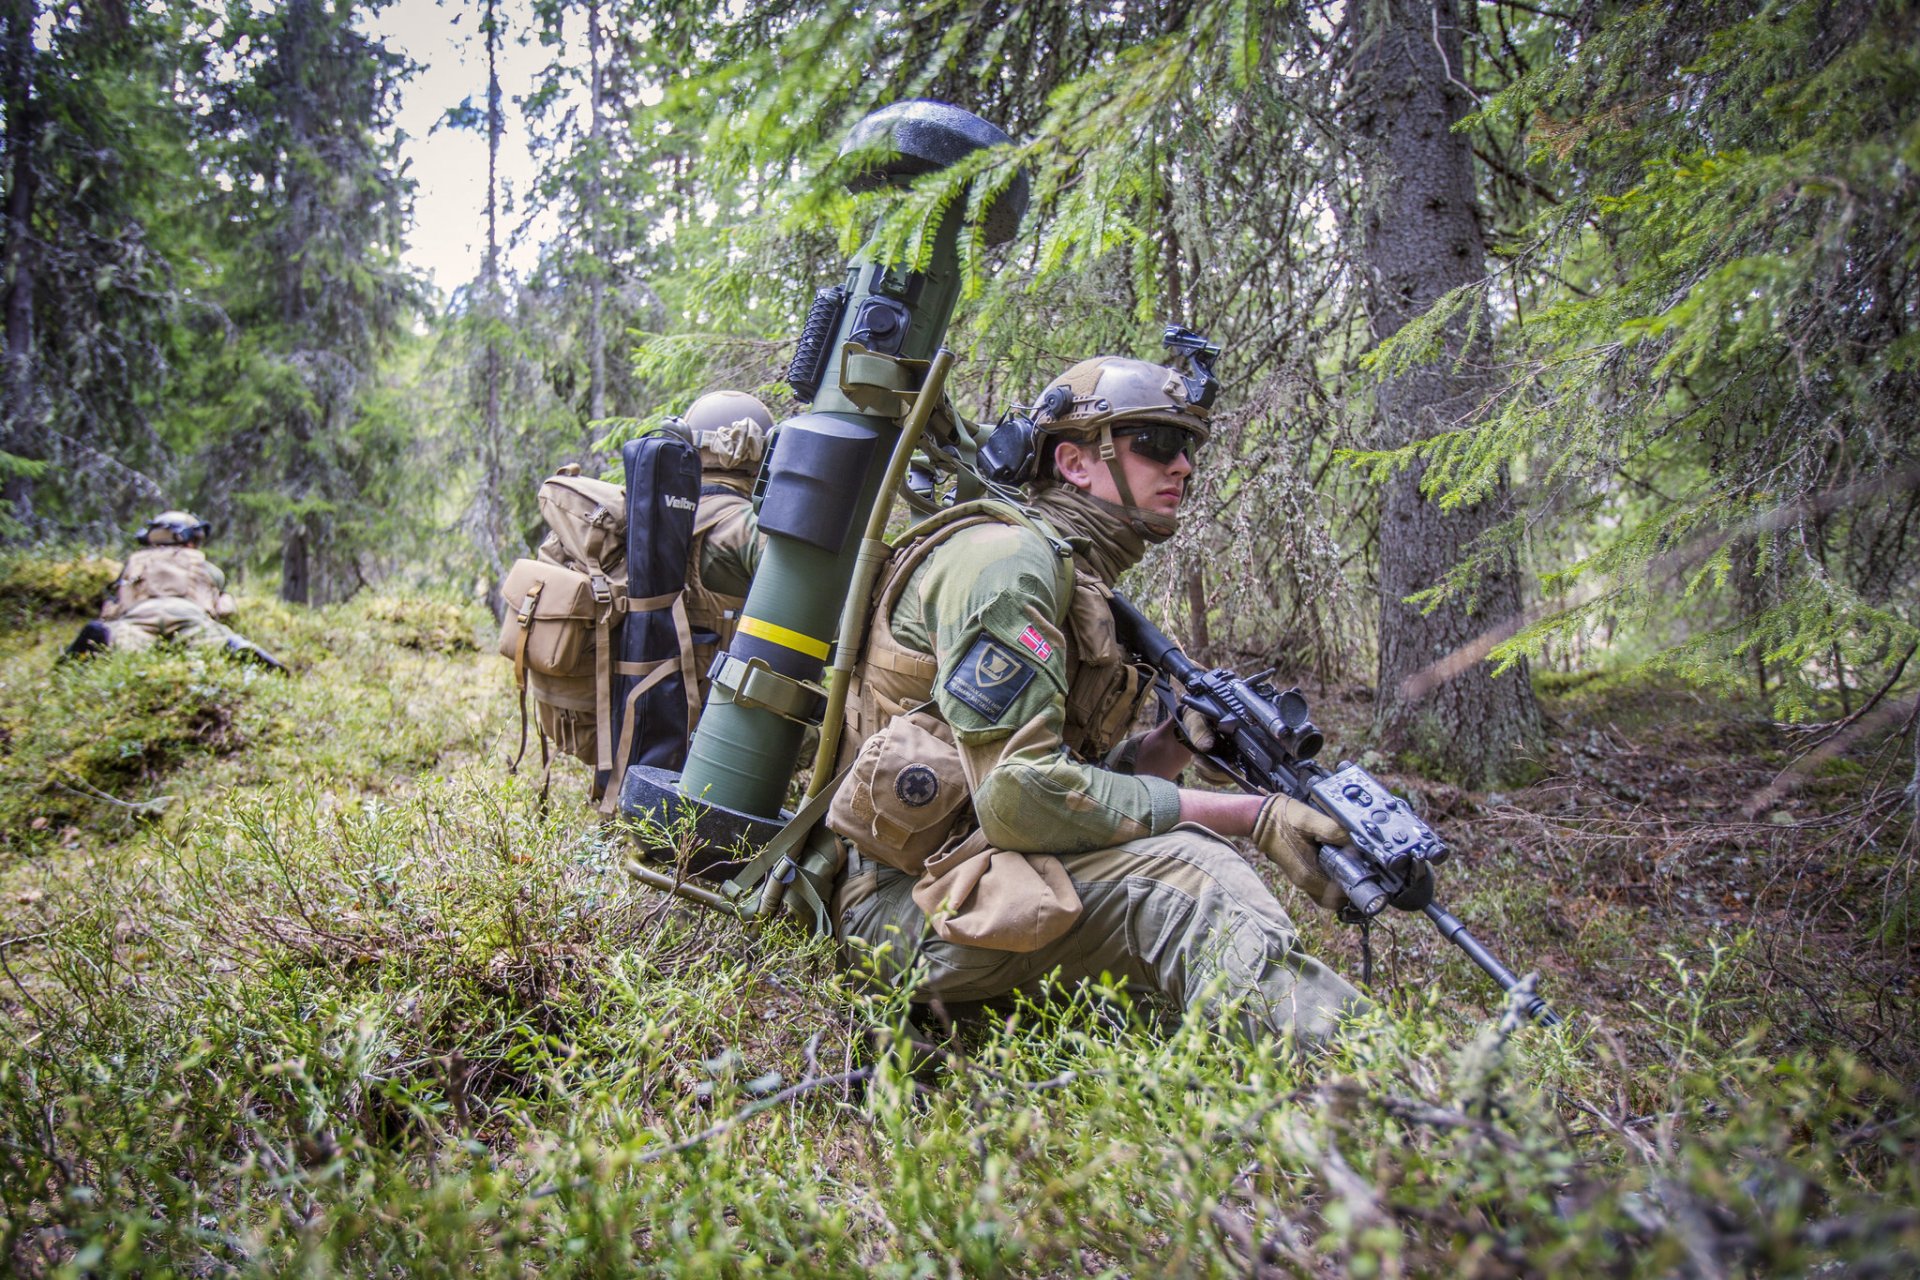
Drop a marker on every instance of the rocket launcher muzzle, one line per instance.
(870, 353)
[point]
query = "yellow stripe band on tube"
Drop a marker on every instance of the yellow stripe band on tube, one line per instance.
(775, 634)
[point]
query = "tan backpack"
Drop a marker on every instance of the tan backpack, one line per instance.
(565, 611)
(153, 573)
(562, 610)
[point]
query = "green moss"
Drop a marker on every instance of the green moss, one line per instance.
(426, 623)
(91, 743)
(36, 586)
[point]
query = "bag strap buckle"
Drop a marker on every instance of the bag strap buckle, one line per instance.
(526, 606)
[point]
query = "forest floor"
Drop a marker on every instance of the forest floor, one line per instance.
(300, 979)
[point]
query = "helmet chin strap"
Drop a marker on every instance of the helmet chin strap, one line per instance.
(1151, 525)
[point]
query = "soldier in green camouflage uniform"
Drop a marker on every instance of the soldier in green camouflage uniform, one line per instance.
(1002, 624)
(169, 591)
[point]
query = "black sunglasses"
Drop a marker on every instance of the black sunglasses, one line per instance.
(1162, 442)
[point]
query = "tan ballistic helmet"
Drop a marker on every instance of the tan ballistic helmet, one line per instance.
(1110, 389)
(174, 528)
(730, 430)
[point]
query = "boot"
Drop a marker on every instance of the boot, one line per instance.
(93, 638)
(247, 651)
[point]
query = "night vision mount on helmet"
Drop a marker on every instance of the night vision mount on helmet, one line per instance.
(174, 528)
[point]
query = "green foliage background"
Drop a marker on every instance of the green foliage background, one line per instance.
(300, 982)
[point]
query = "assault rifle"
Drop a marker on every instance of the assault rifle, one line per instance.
(1265, 740)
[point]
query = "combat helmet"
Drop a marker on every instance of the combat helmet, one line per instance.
(174, 528)
(1091, 399)
(729, 428)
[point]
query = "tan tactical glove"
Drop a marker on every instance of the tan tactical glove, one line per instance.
(1198, 732)
(1291, 834)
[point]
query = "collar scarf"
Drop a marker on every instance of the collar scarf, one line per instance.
(1104, 540)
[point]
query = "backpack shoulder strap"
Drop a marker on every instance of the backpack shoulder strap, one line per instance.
(712, 513)
(921, 539)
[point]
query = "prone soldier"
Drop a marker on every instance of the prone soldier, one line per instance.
(170, 591)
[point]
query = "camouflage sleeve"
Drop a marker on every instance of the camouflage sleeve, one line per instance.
(985, 605)
(731, 552)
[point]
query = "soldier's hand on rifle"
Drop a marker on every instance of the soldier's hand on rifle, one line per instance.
(1196, 733)
(1291, 833)
(1194, 729)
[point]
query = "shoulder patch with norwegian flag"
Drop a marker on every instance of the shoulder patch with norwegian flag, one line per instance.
(1033, 640)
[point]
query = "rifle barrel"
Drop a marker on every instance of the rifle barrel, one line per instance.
(1453, 931)
(1151, 641)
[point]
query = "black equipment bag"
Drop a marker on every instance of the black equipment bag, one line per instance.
(654, 686)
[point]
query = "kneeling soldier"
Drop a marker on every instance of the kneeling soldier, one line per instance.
(1003, 826)
(169, 590)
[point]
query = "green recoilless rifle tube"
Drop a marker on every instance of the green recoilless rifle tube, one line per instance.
(874, 551)
(827, 470)
(743, 755)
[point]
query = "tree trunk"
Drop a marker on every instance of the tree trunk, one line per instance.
(596, 239)
(493, 479)
(296, 564)
(1421, 239)
(19, 434)
(1199, 638)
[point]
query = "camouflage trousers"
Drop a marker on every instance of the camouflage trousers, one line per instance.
(167, 618)
(1180, 914)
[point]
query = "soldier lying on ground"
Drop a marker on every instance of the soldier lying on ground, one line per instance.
(170, 591)
(992, 701)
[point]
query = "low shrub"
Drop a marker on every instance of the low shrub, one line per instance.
(38, 586)
(427, 623)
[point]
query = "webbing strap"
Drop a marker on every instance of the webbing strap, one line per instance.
(905, 662)
(525, 618)
(603, 691)
(816, 906)
(752, 683)
(520, 679)
(661, 670)
(786, 839)
(689, 674)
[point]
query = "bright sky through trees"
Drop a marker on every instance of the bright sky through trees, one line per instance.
(449, 166)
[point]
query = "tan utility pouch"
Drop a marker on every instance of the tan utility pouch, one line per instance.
(899, 800)
(549, 623)
(564, 706)
(588, 523)
(979, 896)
